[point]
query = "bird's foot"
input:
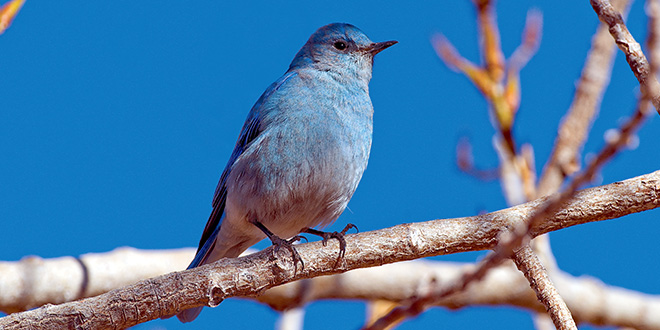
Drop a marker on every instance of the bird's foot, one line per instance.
(279, 242)
(288, 244)
(328, 235)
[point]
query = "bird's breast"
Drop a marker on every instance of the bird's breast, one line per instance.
(302, 171)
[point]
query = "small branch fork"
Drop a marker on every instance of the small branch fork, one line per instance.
(498, 80)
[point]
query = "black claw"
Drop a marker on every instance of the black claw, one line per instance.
(349, 226)
(288, 244)
(328, 235)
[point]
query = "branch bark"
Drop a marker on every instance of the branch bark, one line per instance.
(530, 265)
(631, 48)
(503, 285)
(251, 275)
(33, 281)
(575, 126)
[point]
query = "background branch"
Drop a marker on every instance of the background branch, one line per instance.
(504, 285)
(33, 281)
(632, 50)
(530, 265)
(575, 126)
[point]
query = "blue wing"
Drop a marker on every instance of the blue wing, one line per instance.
(249, 132)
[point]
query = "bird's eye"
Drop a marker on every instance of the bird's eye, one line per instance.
(340, 45)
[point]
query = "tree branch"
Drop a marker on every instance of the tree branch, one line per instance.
(33, 281)
(633, 51)
(575, 126)
(530, 265)
(251, 275)
(503, 285)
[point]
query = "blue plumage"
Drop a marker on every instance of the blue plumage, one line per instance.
(302, 149)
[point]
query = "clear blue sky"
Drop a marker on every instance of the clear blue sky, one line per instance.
(117, 118)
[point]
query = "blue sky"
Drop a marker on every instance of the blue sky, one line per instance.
(118, 117)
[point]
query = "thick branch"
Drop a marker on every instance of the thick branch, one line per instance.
(33, 281)
(251, 275)
(503, 285)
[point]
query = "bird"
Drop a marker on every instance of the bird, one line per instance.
(301, 152)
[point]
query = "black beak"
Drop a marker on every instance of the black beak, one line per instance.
(378, 47)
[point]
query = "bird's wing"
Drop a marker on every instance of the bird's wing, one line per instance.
(249, 132)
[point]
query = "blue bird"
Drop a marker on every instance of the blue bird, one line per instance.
(301, 152)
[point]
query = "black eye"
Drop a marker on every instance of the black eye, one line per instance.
(340, 45)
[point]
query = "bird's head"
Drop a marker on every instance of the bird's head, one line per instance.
(342, 49)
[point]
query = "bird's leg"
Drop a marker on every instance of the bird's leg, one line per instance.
(328, 235)
(280, 242)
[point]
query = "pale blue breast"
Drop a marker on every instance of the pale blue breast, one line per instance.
(305, 165)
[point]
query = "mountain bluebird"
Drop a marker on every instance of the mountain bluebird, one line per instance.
(301, 152)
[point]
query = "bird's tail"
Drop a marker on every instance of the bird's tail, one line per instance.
(189, 314)
(212, 250)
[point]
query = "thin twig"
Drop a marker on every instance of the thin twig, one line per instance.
(489, 37)
(563, 161)
(575, 126)
(465, 162)
(633, 51)
(652, 42)
(612, 147)
(516, 171)
(530, 265)
(8, 12)
(531, 38)
(521, 234)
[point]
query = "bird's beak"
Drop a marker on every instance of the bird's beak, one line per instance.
(378, 47)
